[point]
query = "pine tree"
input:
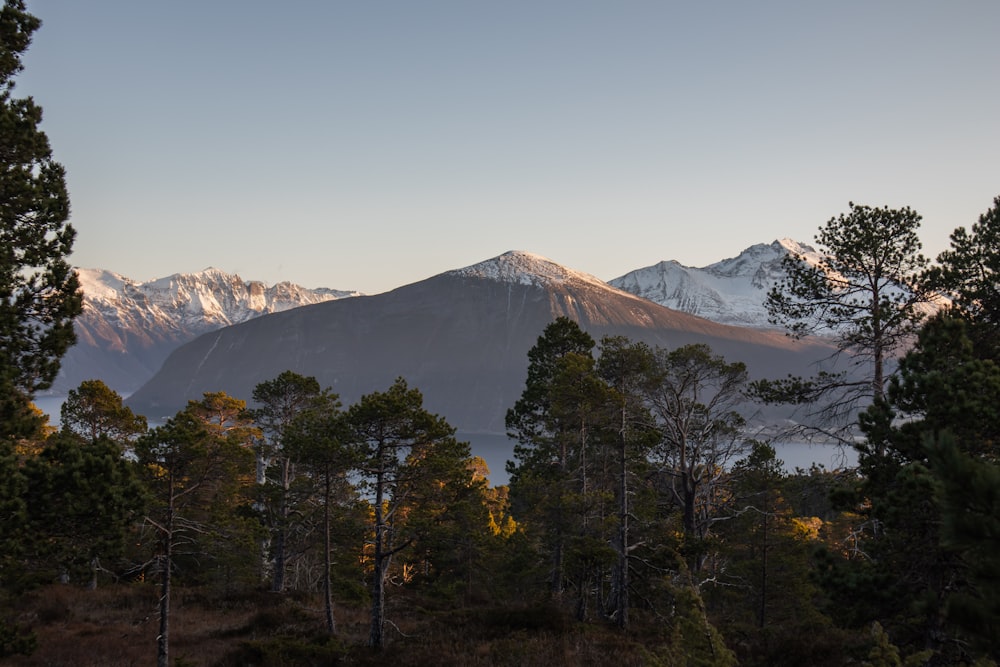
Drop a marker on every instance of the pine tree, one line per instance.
(318, 437)
(865, 292)
(626, 367)
(543, 476)
(970, 497)
(281, 400)
(93, 410)
(393, 433)
(39, 292)
(969, 273)
(82, 499)
(194, 469)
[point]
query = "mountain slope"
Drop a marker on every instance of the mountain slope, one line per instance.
(128, 328)
(461, 337)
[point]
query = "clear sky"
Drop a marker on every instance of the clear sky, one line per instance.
(370, 144)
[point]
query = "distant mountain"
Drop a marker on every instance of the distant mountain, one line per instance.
(128, 328)
(730, 292)
(461, 337)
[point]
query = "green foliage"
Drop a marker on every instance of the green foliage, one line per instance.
(281, 496)
(93, 410)
(943, 385)
(39, 292)
(969, 273)
(865, 293)
(13, 516)
(318, 437)
(16, 640)
(82, 500)
(898, 571)
(562, 423)
(864, 287)
(970, 498)
(403, 451)
(199, 477)
(527, 421)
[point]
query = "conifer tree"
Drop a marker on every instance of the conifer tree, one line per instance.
(627, 368)
(865, 293)
(542, 482)
(319, 438)
(82, 499)
(94, 410)
(393, 434)
(281, 400)
(194, 472)
(39, 292)
(904, 574)
(970, 498)
(969, 273)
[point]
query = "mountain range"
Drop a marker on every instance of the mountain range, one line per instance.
(128, 328)
(461, 337)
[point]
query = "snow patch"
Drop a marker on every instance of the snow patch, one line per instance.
(524, 268)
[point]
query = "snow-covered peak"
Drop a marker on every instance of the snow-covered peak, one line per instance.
(731, 291)
(525, 268)
(197, 301)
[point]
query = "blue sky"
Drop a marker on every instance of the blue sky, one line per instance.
(366, 145)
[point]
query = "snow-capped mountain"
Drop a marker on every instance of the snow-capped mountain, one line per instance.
(128, 328)
(197, 302)
(525, 268)
(462, 337)
(731, 291)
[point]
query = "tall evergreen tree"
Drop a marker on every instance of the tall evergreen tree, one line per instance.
(865, 292)
(193, 471)
(281, 400)
(969, 273)
(319, 438)
(393, 433)
(39, 292)
(627, 368)
(542, 482)
(900, 573)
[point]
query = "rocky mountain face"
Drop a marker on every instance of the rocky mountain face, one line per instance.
(730, 292)
(128, 328)
(461, 337)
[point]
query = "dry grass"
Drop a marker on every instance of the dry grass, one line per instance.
(117, 627)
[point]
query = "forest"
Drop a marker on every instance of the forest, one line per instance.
(642, 519)
(644, 522)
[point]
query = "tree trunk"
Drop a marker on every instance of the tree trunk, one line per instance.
(163, 639)
(278, 582)
(621, 575)
(331, 627)
(375, 638)
(762, 619)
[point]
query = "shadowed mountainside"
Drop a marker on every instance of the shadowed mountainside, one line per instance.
(461, 337)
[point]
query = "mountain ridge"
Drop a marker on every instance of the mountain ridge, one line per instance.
(461, 337)
(128, 328)
(730, 291)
